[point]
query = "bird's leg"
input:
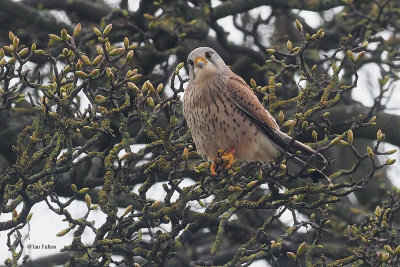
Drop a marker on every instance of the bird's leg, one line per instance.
(229, 157)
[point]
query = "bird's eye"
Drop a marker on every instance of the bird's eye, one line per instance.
(190, 62)
(208, 54)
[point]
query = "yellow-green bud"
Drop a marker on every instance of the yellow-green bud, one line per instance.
(81, 74)
(149, 86)
(390, 152)
(281, 117)
(135, 77)
(252, 184)
(63, 232)
(370, 152)
(99, 50)
(86, 60)
(127, 210)
(133, 46)
(74, 188)
(360, 56)
(126, 42)
(390, 161)
(304, 125)
(314, 135)
(270, 51)
(288, 123)
(130, 54)
(291, 255)
(29, 217)
(378, 211)
(388, 249)
(64, 34)
(85, 189)
(299, 26)
(97, 60)
(350, 136)
(179, 67)
(289, 45)
(94, 73)
(150, 101)
(380, 136)
(116, 51)
(77, 29)
(96, 31)
(350, 55)
(253, 83)
(397, 250)
(336, 140)
(301, 249)
(55, 38)
(320, 33)
(23, 52)
(11, 35)
(15, 42)
(160, 87)
(88, 200)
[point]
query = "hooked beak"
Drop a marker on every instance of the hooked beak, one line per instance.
(200, 61)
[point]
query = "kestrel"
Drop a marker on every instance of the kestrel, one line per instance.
(222, 112)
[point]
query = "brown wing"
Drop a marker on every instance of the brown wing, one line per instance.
(244, 98)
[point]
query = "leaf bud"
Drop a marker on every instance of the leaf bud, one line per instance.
(390, 161)
(127, 210)
(150, 101)
(88, 200)
(77, 29)
(289, 45)
(63, 232)
(55, 38)
(281, 117)
(314, 135)
(299, 26)
(350, 55)
(291, 255)
(350, 136)
(97, 31)
(301, 249)
(64, 34)
(81, 74)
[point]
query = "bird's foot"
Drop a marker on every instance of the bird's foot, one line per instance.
(228, 156)
(224, 159)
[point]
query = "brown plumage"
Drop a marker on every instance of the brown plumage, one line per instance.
(222, 112)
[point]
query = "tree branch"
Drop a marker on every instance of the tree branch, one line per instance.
(42, 19)
(83, 9)
(237, 6)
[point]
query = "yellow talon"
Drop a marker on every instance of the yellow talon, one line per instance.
(229, 157)
(213, 172)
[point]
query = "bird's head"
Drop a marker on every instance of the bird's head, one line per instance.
(204, 64)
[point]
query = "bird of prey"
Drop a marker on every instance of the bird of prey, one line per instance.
(222, 112)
